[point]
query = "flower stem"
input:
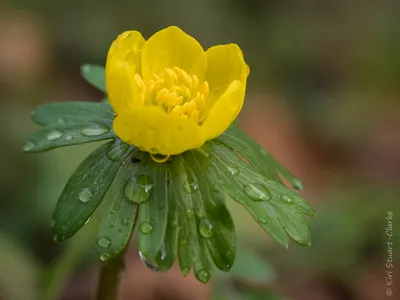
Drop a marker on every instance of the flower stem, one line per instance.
(110, 275)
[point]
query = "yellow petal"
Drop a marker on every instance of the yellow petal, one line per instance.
(155, 131)
(224, 111)
(224, 65)
(123, 61)
(169, 48)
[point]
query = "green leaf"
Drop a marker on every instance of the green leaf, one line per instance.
(66, 113)
(213, 219)
(237, 140)
(168, 251)
(192, 247)
(86, 188)
(267, 200)
(250, 266)
(149, 189)
(56, 136)
(261, 160)
(117, 213)
(95, 75)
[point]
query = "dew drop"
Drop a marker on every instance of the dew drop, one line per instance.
(203, 275)
(185, 271)
(88, 220)
(104, 242)
(29, 146)
(52, 224)
(228, 253)
(150, 265)
(139, 188)
(54, 135)
(86, 194)
(61, 121)
(189, 214)
(287, 199)
(95, 129)
(262, 220)
(146, 228)
(234, 171)
(104, 256)
(257, 192)
(55, 238)
(125, 222)
(205, 228)
(117, 149)
(68, 137)
(173, 224)
(191, 187)
(297, 184)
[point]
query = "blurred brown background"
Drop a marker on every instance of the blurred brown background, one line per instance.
(323, 98)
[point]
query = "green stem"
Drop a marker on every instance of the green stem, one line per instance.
(110, 274)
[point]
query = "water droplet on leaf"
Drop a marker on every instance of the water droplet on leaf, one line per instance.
(297, 184)
(104, 242)
(203, 276)
(54, 135)
(52, 224)
(205, 228)
(95, 129)
(68, 137)
(150, 265)
(125, 222)
(287, 199)
(88, 220)
(86, 194)
(104, 256)
(146, 228)
(257, 192)
(29, 146)
(190, 187)
(234, 171)
(185, 271)
(139, 188)
(262, 220)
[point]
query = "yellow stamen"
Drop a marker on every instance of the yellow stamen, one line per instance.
(176, 92)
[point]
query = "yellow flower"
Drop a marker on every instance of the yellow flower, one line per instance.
(169, 95)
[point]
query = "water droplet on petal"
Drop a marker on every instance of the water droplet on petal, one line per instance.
(287, 199)
(205, 228)
(297, 184)
(190, 187)
(86, 194)
(146, 228)
(257, 192)
(233, 170)
(150, 265)
(95, 129)
(203, 276)
(139, 188)
(54, 135)
(125, 222)
(29, 146)
(104, 242)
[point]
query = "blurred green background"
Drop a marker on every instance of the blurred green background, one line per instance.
(323, 98)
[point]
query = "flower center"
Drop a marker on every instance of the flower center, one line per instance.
(176, 92)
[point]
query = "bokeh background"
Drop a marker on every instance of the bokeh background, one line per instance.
(323, 98)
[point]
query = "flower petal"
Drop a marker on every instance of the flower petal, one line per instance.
(224, 64)
(171, 47)
(224, 111)
(123, 61)
(155, 131)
